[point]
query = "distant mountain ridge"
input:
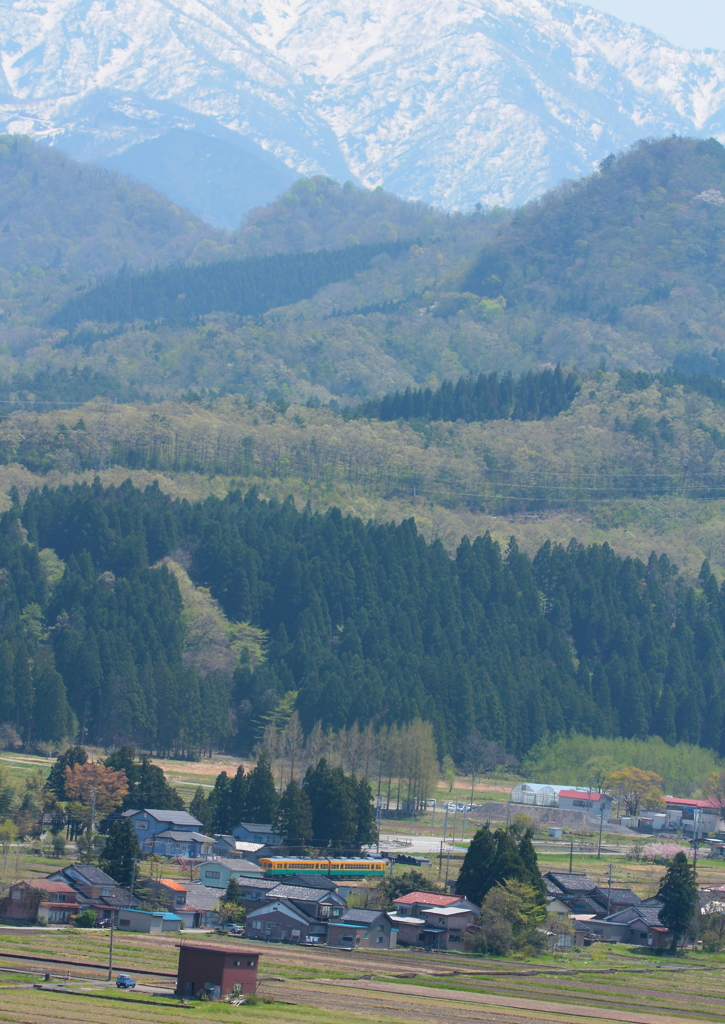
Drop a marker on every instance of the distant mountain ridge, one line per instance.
(221, 104)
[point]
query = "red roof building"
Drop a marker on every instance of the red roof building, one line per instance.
(217, 970)
(40, 899)
(426, 899)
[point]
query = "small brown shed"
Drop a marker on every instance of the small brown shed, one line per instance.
(215, 969)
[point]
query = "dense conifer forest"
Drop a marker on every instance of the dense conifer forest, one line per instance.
(534, 396)
(365, 623)
(245, 287)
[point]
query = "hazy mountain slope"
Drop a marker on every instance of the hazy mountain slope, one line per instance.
(62, 223)
(491, 101)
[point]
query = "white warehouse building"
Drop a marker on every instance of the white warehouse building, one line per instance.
(563, 798)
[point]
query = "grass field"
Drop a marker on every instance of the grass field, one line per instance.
(334, 986)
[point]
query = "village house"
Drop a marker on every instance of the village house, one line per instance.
(433, 920)
(282, 921)
(363, 929)
(218, 873)
(638, 926)
(228, 847)
(169, 833)
(580, 895)
(248, 832)
(50, 902)
(96, 890)
(254, 890)
(203, 900)
(295, 913)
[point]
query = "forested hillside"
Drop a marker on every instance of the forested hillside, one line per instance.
(619, 269)
(245, 287)
(365, 623)
(63, 223)
(533, 396)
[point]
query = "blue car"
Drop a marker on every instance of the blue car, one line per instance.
(125, 981)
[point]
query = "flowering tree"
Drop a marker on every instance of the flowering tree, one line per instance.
(662, 853)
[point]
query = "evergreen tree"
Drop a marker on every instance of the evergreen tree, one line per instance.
(534, 878)
(201, 809)
(262, 796)
(366, 832)
(507, 863)
(334, 810)
(147, 785)
(239, 797)
(56, 778)
(221, 820)
(679, 894)
(294, 818)
(474, 878)
(120, 852)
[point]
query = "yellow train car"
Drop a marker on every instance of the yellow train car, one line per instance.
(348, 867)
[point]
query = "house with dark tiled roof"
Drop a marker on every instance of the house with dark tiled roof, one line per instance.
(581, 895)
(637, 925)
(295, 913)
(363, 929)
(96, 890)
(282, 921)
(169, 833)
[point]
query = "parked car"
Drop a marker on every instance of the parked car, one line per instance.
(125, 981)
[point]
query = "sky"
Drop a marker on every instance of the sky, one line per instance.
(693, 24)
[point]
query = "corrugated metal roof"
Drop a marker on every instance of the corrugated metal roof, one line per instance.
(181, 837)
(298, 892)
(431, 899)
(175, 817)
(171, 883)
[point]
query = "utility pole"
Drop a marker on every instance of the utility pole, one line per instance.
(93, 812)
(571, 855)
(445, 824)
(110, 951)
(601, 825)
(609, 892)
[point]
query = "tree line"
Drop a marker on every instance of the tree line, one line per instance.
(328, 810)
(534, 396)
(246, 287)
(366, 623)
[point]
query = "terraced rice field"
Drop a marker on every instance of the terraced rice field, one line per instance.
(330, 986)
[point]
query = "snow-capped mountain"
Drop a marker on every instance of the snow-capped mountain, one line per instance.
(222, 102)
